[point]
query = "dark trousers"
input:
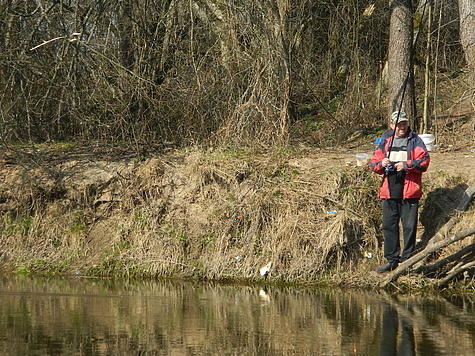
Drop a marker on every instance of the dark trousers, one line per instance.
(395, 211)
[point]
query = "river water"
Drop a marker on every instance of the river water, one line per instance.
(83, 316)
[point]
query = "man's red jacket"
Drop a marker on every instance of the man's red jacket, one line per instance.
(417, 162)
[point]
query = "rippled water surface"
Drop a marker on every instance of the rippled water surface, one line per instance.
(104, 317)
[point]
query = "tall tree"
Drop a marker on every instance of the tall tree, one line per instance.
(467, 35)
(125, 26)
(400, 57)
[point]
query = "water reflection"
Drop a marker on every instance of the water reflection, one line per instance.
(390, 345)
(106, 317)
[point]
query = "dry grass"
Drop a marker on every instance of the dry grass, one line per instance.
(214, 215)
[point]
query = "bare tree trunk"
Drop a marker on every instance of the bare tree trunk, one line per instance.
(280, 10)
(126, 33)
(467, 35)
(168, 21)
(400, 57)
(425, 116)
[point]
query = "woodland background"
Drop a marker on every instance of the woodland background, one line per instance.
(215, 72)
(209, 138)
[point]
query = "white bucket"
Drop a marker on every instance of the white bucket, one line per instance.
(428, 141)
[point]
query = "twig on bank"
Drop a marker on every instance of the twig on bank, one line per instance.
(46, 42)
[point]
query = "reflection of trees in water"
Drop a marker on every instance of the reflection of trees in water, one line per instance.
(414, 325)
(100, 316)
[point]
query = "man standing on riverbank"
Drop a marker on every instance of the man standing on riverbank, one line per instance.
(401, 158)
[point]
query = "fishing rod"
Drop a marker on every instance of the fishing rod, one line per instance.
(390, 167)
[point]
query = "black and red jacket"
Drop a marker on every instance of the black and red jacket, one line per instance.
(417, 162)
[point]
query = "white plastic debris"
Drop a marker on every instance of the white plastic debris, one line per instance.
(264, 271)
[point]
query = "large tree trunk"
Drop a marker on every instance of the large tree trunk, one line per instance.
(126, 33)
(400, 57)
(467, 35)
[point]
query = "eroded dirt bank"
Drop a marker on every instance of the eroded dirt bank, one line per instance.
(311, 215)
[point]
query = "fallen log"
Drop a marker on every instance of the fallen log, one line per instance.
(460, 268)
(438, 265)
(440, 235)
(403, 267)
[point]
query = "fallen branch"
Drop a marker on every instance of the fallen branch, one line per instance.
(403, 267)
(440, 235)
(445, 261)
(462, 206)
(460, 268)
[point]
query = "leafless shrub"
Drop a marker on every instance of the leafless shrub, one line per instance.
(194, 73)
